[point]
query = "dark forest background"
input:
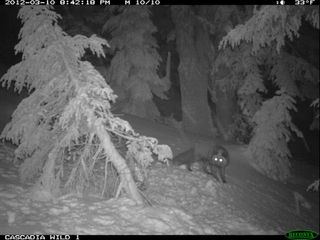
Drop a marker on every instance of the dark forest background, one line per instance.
(245, 74)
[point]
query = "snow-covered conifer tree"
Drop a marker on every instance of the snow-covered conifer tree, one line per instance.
(65, 127)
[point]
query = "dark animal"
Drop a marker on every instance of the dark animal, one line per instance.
(214, 161)
(186, 158)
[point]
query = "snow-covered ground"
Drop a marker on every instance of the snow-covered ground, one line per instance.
(183, 202)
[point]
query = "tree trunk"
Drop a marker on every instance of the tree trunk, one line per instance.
(226, 106)
(126, 180)
(193, 71)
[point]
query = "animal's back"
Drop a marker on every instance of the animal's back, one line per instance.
(186, 158)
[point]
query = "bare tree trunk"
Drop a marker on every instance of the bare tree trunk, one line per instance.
(226, 106)
(168, 67)
(193, 72)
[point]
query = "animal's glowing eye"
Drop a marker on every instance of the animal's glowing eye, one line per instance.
(215, 158)
(220, 160)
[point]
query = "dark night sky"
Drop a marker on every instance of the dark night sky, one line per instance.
(9, 26)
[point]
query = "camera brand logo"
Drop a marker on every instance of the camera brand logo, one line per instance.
(301, 235)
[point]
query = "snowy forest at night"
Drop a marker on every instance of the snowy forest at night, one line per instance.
(175, 119)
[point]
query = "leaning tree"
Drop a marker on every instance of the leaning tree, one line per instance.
(64, 129)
